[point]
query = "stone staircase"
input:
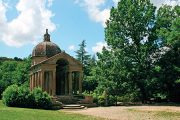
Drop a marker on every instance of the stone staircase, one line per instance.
(67, 102)
(73, 106)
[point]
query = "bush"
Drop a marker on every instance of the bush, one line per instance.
(24, 97)
(111, 100)
(9, 96)
(42, 99)
(128, 98)
(15, 96)
(101, 100)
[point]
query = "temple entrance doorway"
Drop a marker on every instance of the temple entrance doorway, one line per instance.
(61, 77)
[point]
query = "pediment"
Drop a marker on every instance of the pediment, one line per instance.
(65, 56)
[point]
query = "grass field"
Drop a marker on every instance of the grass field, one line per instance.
(10, 113)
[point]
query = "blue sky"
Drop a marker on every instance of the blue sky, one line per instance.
(23, 23)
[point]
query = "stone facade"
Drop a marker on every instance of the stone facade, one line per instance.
(55, 71)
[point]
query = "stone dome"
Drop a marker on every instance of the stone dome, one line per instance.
(46, 48)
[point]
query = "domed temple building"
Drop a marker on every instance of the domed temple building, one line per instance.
(55, 71)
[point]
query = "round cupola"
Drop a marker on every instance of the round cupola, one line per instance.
(46, 48)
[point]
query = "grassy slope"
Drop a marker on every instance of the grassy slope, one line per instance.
(9, 113)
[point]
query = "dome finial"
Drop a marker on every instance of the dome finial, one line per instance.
(46, 36)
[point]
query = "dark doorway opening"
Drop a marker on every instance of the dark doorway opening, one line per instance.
(61, 77)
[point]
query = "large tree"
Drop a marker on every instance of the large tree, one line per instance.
(129, 35)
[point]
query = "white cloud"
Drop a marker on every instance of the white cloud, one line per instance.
(99, 46)
(3, 18)
(71, 47)
(158, 3)
(99, 15)
(93, 8)
(30, 24)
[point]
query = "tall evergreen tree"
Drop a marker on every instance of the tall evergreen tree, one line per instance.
(89, 82)
(83, 56)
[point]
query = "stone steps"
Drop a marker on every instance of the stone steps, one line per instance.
(72, 102)
(73, 106)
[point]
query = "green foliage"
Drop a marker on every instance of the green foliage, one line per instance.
(42, 99)
(101, 100)
(83, 56)
(132, 97)
(126, 64)
(24, 97)
(89, 80)
(142, 57)
(168, 32)
(10, 96)
(15, 96)
(112, 100)
(14, 72)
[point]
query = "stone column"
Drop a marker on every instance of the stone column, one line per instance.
(66, 84)
(50, 82)
(42, 78)
(70, 82)
(54, 83)
(39, 77)
(33, 82)
(35, 79)
(80, 82)
(30, 82)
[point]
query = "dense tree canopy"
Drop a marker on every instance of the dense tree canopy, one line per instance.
(14, 71)
(143, 51)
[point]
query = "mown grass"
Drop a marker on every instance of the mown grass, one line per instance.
(11, 113)
(155, 115)
(168, 115)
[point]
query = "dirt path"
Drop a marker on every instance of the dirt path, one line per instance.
(133, 112)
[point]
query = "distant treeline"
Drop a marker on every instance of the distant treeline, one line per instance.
(2, 59)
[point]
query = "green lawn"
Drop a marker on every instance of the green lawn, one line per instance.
(10, 113)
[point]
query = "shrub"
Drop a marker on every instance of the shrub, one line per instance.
(9, 96)
(101, 100)
(42, 99)
(24, 98)
(128, 98)
(15, 96)
(111, 100)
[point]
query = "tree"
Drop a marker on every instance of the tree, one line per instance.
(168, 32)
(83, 56)
(129, 35)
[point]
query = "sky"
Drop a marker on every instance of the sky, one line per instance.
(23, 24)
